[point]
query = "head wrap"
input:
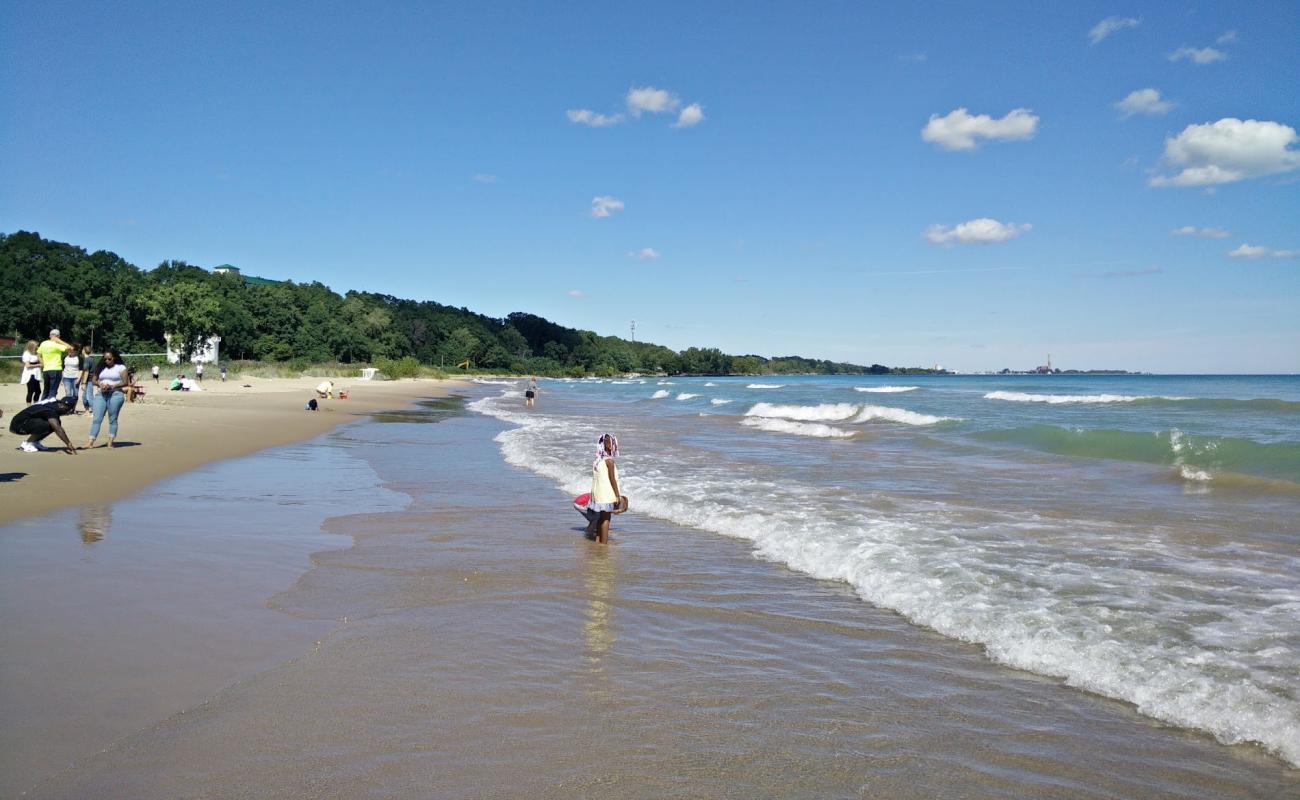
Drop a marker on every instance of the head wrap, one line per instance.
(601, 455)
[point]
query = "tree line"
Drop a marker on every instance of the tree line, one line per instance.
(103, 297)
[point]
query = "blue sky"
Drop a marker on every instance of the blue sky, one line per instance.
(774, 178)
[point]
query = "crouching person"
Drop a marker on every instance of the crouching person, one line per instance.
(38, 421)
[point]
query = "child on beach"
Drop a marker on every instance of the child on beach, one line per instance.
(605, 497)
(530, 394)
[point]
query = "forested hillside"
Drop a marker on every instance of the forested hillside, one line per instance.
(45, 283)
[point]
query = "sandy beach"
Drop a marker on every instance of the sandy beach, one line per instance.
(167, 433)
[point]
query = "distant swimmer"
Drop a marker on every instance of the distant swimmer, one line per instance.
(530, 394)
(605, 498)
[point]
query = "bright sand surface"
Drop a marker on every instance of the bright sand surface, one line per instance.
(167, 432)
(453, 635)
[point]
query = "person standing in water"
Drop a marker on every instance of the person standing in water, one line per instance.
(530, 394)
(605, 497)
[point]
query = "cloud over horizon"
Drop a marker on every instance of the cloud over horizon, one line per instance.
(605, 205)
(958, 130)
(644, 254)
(585, 116)
(1111, 25)
(638, 101)
(1143, 101)
(976, 231)
(1254, 252)
(1228, 151)
(652, 100)
(1192, 230)
(691, 116)
(1198, 55)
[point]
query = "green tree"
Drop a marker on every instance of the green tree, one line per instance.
(188, 312)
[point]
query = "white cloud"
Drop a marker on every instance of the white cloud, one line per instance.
(644, 254)
(691, 116)
(914, 58)
(959, 130)
(648, 98)
(585, 116)
(1111, 25)
(604, 205)
(1198, 55)
(1255, 252)
(1143, 101)
(1227, 151)
(1228, 37)
(576, 293)
(1192, 230)
(483, 177)
(976, 231)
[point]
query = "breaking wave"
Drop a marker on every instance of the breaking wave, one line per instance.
(843, 412)
(814, 429)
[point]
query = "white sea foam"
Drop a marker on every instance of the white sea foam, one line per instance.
(718, 401)
(710, 383)
(686, 396)
(885, 389)
(843, 412)
(902, 415)
(487, 382)
(1215, 660)
(814, 429)
(765, 386)
(659, 395)
(826, 412)
(1057, 399)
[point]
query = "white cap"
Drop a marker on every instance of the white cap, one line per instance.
(54, 332)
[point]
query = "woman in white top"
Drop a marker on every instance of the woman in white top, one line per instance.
(111, 379)
(72, 373)
(31, 376)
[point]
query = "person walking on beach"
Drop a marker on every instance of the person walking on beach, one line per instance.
(111, 379)
(530, 394)
(154, 371)
(605, 497)
(198, 371)
(223, 373)
(40, 420)
(51, 352)
(31, 377)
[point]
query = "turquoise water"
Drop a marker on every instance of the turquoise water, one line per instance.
(1134, 536)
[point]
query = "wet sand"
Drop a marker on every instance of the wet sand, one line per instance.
(476, 645)
(168, 433)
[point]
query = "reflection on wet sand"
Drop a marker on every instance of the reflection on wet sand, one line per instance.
(598, 572)
(94, 523)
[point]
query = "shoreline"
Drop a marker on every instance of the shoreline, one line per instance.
(169, 433)
(678, 657)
